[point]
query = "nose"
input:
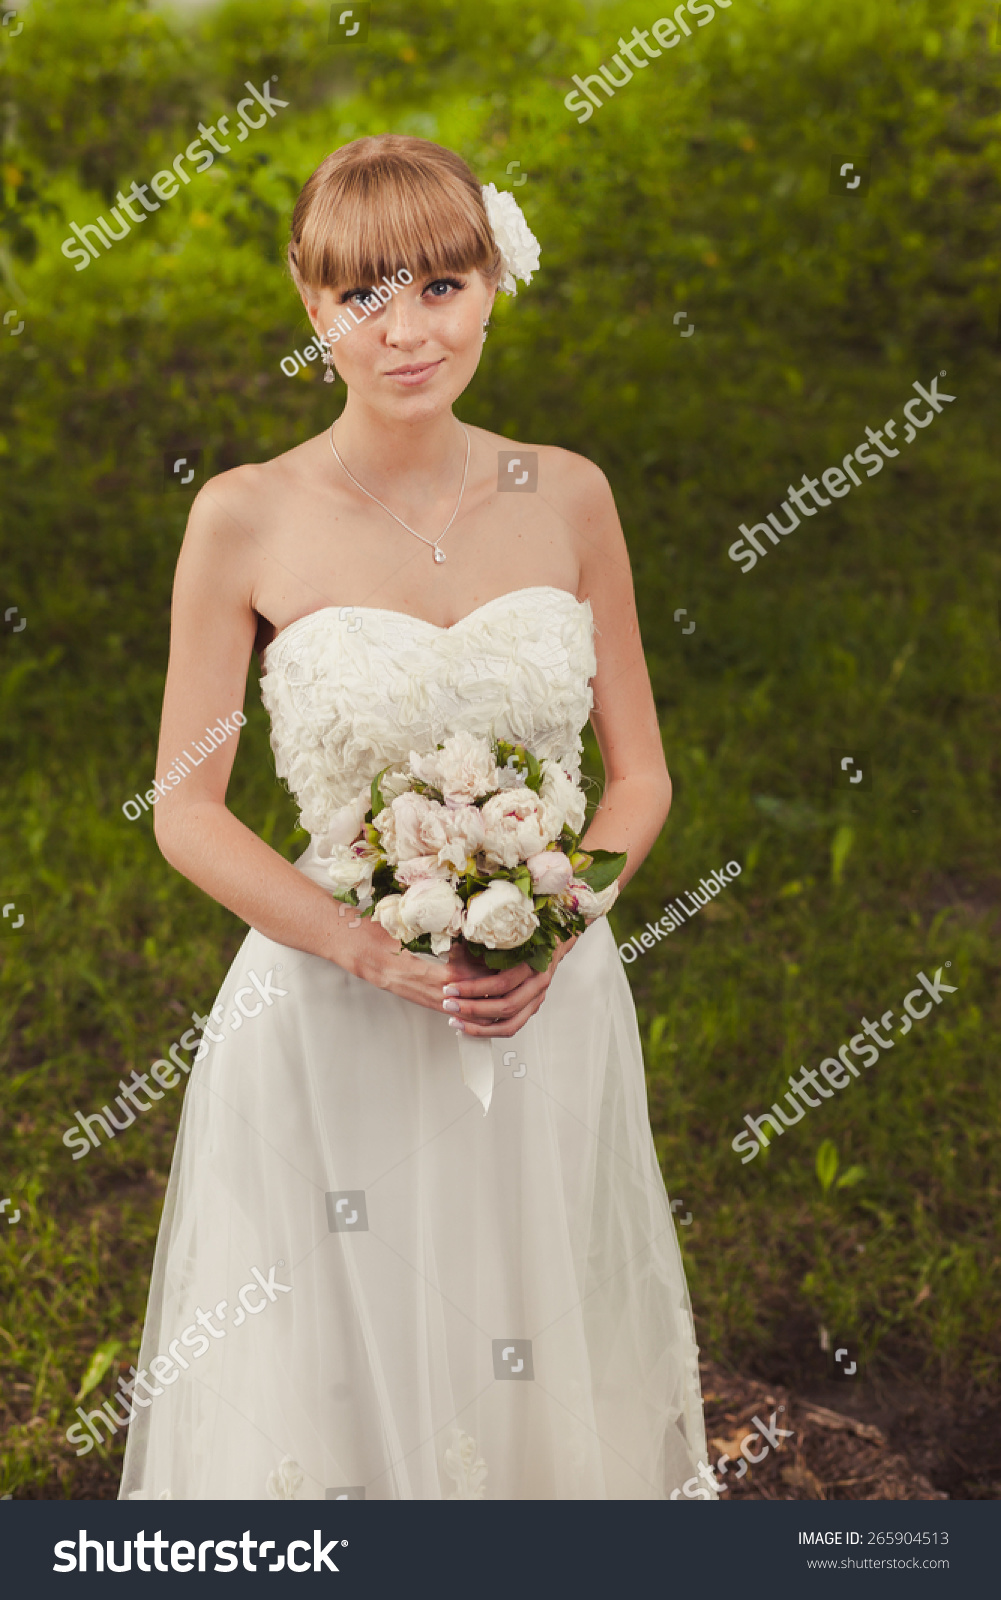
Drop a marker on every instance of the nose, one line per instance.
(404, 322)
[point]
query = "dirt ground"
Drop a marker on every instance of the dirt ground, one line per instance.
(852, 1443)
(849, 1442)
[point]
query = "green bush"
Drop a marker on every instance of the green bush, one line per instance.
(698, 196)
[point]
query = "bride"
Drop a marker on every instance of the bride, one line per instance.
(364, 1287)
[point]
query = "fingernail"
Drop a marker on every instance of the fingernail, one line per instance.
(456, 1025)
(450, 1005)
(451, 988)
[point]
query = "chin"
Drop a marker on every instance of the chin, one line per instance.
(427, 400)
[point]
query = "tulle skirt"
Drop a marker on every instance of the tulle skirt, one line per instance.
(365, 1287)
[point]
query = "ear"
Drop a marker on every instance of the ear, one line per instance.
(311, 305)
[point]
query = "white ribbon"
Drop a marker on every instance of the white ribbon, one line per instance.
(476, 1056)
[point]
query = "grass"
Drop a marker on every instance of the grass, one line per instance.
(872, 627)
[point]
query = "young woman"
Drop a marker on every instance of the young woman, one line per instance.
(363, 1285)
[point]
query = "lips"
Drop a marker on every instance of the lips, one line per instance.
(418, 372)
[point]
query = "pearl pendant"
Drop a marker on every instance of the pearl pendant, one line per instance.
(439, 555)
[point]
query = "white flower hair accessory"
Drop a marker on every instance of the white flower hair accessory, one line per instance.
(519, 248)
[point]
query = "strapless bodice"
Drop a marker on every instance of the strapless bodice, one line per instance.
(351, 689)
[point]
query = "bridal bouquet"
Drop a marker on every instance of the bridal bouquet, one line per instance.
(480, 841)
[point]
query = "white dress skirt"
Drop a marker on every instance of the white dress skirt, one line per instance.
(364, 1286)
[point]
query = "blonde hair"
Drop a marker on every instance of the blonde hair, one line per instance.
(385, 203)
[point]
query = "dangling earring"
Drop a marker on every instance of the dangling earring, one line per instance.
(486, 325)
(330, 375)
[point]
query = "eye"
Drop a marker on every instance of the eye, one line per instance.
(361, 297)
(438, 288)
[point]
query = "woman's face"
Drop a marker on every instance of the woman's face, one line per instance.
(413, 355)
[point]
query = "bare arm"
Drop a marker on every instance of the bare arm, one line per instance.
(211, 638)
(637, 793)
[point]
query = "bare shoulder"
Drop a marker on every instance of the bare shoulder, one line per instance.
(243, 496)
(234, 513)
(576, 488)
(581, 495)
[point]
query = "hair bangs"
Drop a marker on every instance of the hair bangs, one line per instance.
(385, 203)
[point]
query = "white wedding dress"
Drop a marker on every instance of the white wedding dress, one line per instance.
(446, 1304)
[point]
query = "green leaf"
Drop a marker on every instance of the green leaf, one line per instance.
(378, 803)
(827, 1164)
(604, 869)
(852, 1176)
(841, 846)
(539, 961)
(97, 1366)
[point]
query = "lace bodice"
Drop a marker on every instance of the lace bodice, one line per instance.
(351, 689)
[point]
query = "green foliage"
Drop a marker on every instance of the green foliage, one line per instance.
(841, 847)
(827, 1168)
(701, 188)
(98, 1365)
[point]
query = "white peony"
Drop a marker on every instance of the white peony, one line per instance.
(510, 777)
(385, 826)
(501, 917)
(514, 827)
(432, 907)
(589, 904)
(351, 867)
(416, 868)
(520, 249)
(551, 871)
(387, 914)
(345, 825)
(464, 836)
(419, 826)
(463, 769)
(563, 801)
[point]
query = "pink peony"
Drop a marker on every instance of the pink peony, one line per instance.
(514, 827)
(419, 826)
(551, 871)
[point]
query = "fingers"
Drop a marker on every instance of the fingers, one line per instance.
(504, 1029)
(501, 1015)
(488, 984)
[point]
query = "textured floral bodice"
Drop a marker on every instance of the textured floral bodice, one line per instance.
(351, 689)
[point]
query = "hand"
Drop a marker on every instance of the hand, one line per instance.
(487, 1004)
(496, 1005)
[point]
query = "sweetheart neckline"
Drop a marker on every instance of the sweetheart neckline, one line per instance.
(532, 588)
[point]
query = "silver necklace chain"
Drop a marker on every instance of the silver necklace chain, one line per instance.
(439, 555)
